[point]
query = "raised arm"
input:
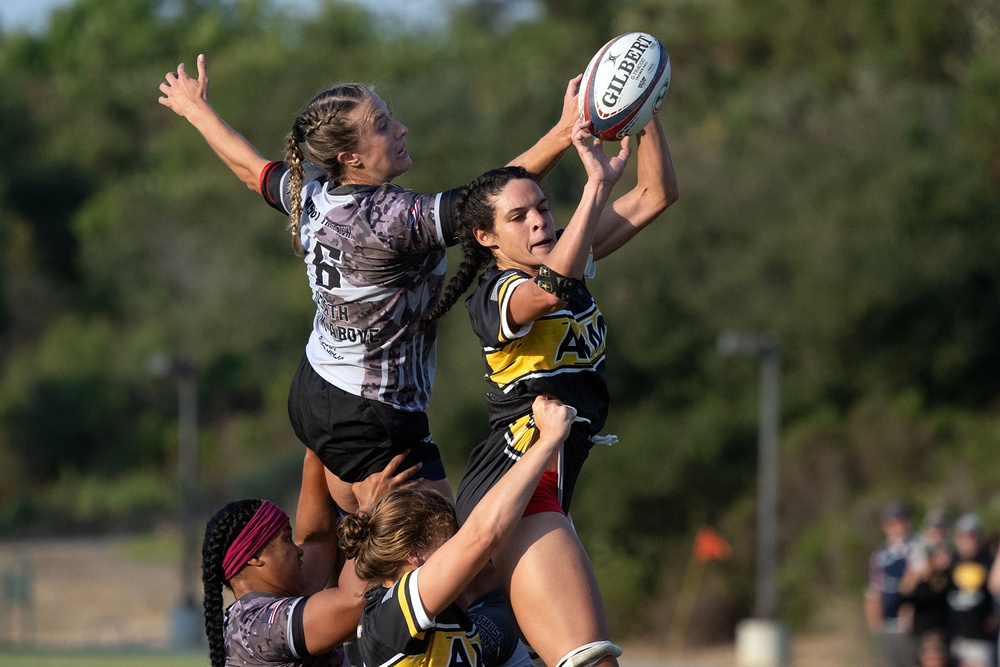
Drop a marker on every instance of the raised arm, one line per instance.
(568, 256)
(542, 158)
(316, 525)
(331, 615)
(446, 573)
(655, 190)
(188, 97)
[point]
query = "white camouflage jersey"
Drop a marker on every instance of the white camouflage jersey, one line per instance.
(375, 256)
(266, 630)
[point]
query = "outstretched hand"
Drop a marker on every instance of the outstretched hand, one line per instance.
(376, 485)
(599, 166)
(183, 94)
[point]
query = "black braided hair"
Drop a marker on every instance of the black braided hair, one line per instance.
(475, 210)
(326, 130)
(220, 532)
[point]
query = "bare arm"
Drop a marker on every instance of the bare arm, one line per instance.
(542, 158)
(449, 570)
(188, 98)
(569, 255)
(316, 525)
(655, 190)
(331, 616)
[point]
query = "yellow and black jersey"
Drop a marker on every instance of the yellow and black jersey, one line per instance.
(397, 631)
(560, 354)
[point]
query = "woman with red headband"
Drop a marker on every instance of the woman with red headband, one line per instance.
(282, 613)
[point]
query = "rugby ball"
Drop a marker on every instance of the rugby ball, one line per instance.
(624, 85)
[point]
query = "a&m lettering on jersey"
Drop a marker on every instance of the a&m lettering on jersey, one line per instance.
(584, 340)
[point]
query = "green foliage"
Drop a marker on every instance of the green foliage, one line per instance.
(840, 187)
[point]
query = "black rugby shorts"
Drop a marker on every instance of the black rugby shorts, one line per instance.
(355, 437)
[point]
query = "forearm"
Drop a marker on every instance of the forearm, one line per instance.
(501, 508)
(542, 158)
(655, 190)
(315, 524)
(232, 148)
(655, 170)
(569, 255)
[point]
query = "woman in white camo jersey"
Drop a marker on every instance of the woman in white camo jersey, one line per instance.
(283, 613)
(375, 258)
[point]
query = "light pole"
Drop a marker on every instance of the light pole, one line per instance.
(764, 631)
(186, 620)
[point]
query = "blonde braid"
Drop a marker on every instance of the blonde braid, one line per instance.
(293, 157)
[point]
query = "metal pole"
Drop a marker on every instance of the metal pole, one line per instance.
(187, 471)
(767, 478)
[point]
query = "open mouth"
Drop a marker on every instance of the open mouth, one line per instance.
(542, 245)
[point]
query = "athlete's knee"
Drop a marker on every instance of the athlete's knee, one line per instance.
(589, 654)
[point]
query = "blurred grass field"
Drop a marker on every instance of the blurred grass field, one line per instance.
(99, 658)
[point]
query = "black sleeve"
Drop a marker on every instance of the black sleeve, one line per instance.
(270, 185)
(298, 638)
(271, 178)
(449, 215)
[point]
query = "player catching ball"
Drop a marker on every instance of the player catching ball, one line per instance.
(542, 333)
(374, 256)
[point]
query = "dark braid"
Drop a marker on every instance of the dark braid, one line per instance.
(220, 532)
(327, 130)
(474, 209)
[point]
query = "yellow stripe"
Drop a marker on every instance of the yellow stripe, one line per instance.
(502, 289)
(536, 352)
(406, 607)
(522, 435)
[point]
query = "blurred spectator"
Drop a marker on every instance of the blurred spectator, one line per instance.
(971, 619)
(993, 583)
(883, 599)
(925, 588)
(934, 530)
(933, 651)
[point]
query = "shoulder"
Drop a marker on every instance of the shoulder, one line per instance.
(496, 281)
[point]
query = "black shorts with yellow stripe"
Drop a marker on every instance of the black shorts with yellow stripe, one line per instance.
(503, 448)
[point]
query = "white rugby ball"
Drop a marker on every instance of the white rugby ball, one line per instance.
(624, 85)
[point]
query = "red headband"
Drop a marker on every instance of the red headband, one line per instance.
(263, 525)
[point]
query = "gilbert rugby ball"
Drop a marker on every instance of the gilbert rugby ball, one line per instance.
(624, 84)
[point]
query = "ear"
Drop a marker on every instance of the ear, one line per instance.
(484, 238)
(415, 559)
(257, 561)
(349, 159)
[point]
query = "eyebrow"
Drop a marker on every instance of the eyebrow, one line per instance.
(519, 209)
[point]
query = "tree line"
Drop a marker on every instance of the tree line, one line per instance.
(839, 167)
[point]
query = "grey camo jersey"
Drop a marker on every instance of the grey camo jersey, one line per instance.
(375, 257)
(264, 629)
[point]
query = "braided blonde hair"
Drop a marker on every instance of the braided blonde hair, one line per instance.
(327, 130)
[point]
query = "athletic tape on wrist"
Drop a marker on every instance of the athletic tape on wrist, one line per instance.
(555, 283)
(589, 654)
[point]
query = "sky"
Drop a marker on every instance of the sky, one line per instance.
(32, 14)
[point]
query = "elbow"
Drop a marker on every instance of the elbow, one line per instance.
(550, 303)
(668, 196)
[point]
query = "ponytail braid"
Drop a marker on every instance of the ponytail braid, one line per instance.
(293, 158)
(220, 532)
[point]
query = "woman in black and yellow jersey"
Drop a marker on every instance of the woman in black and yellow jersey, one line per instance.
(418, 564)
(542, 333)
